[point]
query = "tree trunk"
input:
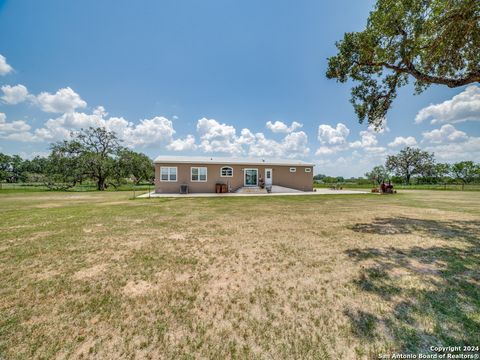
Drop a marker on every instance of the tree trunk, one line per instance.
(101, 184)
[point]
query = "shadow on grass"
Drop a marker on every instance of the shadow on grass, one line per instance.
(434, 292)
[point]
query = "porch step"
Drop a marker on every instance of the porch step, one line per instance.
(251, 190)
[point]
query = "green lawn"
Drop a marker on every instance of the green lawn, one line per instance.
(98, 275)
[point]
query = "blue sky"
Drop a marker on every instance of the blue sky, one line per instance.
(233, 78)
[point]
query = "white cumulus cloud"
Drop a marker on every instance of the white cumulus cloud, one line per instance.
(14, 94)
(220, 137)
(14, 126)
(462, 107)
(183, 144)
(15, 130)
(457, 151)
(367, 139)
(264, 147)
(380, 150)
(326, 150)
(217, 137)
(157, 131)
(403, 141)
(5, 68)
(334, 140)
(293, 145)
(281, 127)
(63, 101)
(246, 137)
(149, 131)
(447, 133)
(333, 136)
(59, 128)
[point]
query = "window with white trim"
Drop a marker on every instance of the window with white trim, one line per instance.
(226, 171)
(308, 170)
(198, 174)
(168, 174)
(292, 170)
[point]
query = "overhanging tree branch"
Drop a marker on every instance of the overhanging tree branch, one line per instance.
(432, 42)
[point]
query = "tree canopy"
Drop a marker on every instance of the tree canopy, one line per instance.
(136, 165)
(378, 174)
(465, 171)
(64, 166)
(12, 168)
(429, 41)
(93, 150)
(409, 162)
(96, 153)
(90, 154)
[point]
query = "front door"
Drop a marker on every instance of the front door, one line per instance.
(268, 177)
(251, 177)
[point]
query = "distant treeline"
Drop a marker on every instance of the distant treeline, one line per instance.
(92, 155)
(413, 167)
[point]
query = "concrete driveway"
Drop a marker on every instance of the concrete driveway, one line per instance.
(302, 193)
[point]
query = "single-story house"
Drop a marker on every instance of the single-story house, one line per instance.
(180, 174)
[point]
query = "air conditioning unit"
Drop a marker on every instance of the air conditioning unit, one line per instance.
(184, 189)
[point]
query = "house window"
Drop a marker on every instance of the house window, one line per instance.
(308, 170)
(199, 174)
(226, 171)
(292, 170)
(168, 174)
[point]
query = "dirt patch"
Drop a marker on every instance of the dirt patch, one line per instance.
(91, 272)
(93, 229)
(177, 236)
(183, 277)
(134, 243)
(4, 248)
(137, 288)
(47, 274)
(40, 234)
(84, 349)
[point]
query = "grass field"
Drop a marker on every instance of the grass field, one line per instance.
(85, 187)
(98, 275)
(440, 187)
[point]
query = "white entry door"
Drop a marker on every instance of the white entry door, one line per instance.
(268, 177)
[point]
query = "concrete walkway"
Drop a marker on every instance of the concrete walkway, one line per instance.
(316, 192)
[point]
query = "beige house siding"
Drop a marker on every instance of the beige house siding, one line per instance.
(281, 176)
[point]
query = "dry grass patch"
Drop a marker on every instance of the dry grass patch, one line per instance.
(91, 272)
(297, 277)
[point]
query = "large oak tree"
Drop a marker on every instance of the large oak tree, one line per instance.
(93, 150)
(465, 171)
(429, 41)
(96, 153)
(410, 162)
